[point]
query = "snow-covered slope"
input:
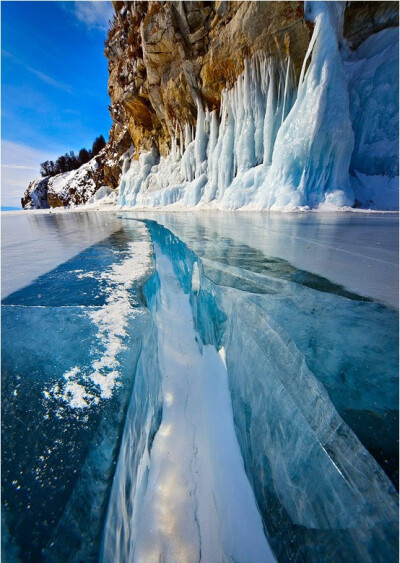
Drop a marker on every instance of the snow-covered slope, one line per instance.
(70, 188)
(75, 186)
(35, 196)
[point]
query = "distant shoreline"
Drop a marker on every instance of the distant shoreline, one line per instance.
(200, 211)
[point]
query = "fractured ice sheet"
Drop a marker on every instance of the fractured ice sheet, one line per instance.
(195, 502)
(106, 295)
(294, 350)
(351, 344)
(320, 492)
(358, 251)
(35, 243)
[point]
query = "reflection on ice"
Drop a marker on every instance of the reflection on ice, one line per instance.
(35, 243)
(356, 250)
(319, 491)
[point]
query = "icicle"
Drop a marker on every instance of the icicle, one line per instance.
(188, 135)
(181, 141)
(269, 118)
(213, 155)
(201, 138)
(219, 154)
(258, 105)
(286, 88)
(207, 122)
(214, 127)
(173, 148)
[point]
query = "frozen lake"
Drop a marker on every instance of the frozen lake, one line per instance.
(34, 243)
(356, 250)
(169, 378)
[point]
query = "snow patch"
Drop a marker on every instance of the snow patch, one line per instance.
(85, 385)
(196, 278)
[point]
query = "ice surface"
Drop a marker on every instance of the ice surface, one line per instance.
(356, 250)
(34, 243)
(287, 359)
(329, 496)
(61, 425)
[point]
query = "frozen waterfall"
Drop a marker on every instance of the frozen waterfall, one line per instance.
(310, 162)
(276, 144)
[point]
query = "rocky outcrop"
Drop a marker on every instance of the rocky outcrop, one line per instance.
(75, 187)
(35, 196)
(164, 56)
(362, 19)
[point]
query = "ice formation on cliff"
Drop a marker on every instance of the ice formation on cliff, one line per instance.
(276, 145)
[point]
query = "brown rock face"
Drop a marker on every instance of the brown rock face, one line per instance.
(275, 28)
(163, 56)
(364, 18)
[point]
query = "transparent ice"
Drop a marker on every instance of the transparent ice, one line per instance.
(237, 388)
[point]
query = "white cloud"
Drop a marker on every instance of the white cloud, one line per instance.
(49, 80)
(45, 77)
(20, 164)
(95, 15)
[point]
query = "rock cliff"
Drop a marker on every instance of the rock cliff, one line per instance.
(74, 187)
(165, 56)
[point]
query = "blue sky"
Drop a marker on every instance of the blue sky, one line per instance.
(53, 85)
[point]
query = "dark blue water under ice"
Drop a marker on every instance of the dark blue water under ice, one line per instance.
(313, 379)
